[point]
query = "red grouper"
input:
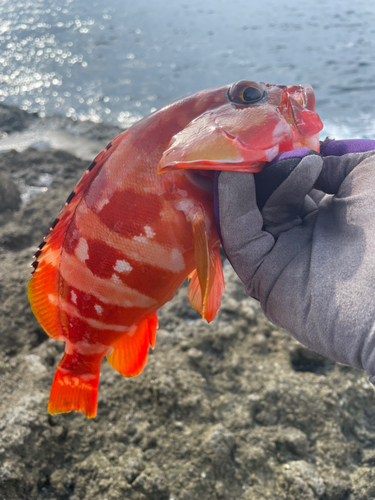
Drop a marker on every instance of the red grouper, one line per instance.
(127, 238)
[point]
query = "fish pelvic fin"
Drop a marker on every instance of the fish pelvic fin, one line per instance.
(207, 300)
(128, 355)
(76, 383)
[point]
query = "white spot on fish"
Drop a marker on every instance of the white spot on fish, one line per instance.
(280, 129)
(73, 297)
(140, 239)
(71, 381)
(53, 299)
(115, 278)
(132, 330)
(101, 204)
(177, 261)
(186, 206)
(82, 250)
(98, 308)
(122, 266)
(150, 233)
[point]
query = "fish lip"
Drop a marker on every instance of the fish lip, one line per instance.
(298, 114)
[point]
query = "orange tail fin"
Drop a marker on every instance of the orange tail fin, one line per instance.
(210, 306)
(76, 382)
(130, 352)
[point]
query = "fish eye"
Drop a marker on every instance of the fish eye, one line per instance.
(246, 93)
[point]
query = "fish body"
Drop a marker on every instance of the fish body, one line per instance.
(140, 221)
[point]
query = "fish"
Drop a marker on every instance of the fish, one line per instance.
(141, 220)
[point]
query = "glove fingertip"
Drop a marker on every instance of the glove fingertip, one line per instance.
(275, 173)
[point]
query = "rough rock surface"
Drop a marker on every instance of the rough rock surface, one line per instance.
(235, 409)
(14, 119)
(10, 198)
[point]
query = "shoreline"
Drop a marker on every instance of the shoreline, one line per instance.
(20, 130)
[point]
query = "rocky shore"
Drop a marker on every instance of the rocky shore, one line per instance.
(233, 410)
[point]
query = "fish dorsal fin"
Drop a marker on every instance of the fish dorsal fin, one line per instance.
(128, 354)
(43, 289)
(206, 282)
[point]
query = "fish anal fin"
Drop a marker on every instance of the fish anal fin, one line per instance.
(130, 352)
(76, 383)
(215, 288)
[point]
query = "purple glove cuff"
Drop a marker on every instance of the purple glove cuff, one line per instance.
(295, 153)
(331, 147)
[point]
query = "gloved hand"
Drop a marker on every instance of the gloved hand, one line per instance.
(308, 255)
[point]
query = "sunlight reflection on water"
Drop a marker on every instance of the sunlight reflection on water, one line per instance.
(116, 61)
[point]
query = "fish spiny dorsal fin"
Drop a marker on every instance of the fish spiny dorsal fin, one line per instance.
(43, 289)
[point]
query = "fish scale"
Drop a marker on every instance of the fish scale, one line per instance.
(140, 221)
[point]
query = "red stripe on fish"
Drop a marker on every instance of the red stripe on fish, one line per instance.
(90, 306)
(128, 212)
(107, 262)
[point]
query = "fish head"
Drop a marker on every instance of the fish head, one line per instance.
(246, 125)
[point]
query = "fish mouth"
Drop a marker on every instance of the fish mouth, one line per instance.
(297, 107)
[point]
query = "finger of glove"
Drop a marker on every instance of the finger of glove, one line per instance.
(270, 178)
(289, 204)
(244, 241)
(337, 168)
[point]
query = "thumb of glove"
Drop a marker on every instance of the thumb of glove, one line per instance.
(288, 203)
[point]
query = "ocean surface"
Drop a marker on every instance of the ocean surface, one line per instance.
(117, 60)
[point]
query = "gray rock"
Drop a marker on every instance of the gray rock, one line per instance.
(13, 119)
(10, 196)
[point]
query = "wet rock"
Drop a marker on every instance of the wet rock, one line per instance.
(195, 355)
(10, 197)
(304, 360)
(13, 119)
(152, 484)
(363, 486)
(336, 490)
(60, 482)
(293, 440)
(132, 463)
(304, 483)
(219, 445)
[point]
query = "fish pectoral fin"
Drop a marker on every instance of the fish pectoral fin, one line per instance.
(128, 354)
(209, 306)
(76, 383)
(202, 257)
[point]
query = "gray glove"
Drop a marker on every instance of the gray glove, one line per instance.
(309, 257)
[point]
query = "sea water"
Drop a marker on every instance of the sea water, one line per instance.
(117, 60)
